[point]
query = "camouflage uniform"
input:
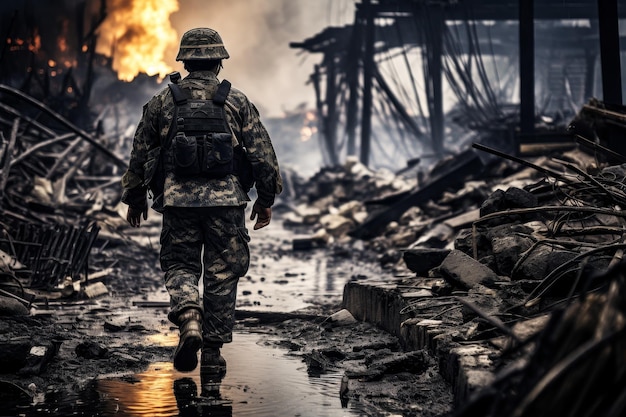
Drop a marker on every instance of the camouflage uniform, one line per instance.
(201, 212)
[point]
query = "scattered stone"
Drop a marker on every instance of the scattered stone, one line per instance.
(464, 271)
(12, 307)
(517, 198)
(336, 224)
(341, 318)
(507, 251)
(540, 261)
(422, 260)
(439, 236)
(413, 362)
(91, 350)
(39, 356)
(95, 290)
(13, 354)
(316, 363)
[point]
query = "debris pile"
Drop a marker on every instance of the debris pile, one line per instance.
(549, 311)
(516, 278)
(58, 184)
(333, 202)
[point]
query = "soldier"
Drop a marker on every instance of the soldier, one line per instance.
(188, 150)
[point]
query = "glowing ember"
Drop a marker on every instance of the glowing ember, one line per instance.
(32, 44)
(138, 33)
(309, 129)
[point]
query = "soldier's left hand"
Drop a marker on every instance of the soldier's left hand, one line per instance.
(263, 215)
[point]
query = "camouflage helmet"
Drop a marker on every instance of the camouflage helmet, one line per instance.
(201, 43)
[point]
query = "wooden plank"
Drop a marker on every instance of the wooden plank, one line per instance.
(466, 163)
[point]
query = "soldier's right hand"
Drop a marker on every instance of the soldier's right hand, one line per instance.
(133, 215)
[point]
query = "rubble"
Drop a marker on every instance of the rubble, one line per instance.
(505, 272)
(534, 245)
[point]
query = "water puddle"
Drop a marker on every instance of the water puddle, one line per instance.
(261, 381)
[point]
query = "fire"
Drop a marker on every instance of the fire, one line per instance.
(137, 34)
(32, 44)
(309, 129)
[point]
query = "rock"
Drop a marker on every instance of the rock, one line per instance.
(91, 350)
(517, 198)
(349, 209)
(493, 203)
(464, 271)
(115, 325)
(95, 290)
(508, 250)
(309, 215)
(464, 242)
(422, 260)
(414, 362)
(317, 364)
(307, 243)
(39, 356)
(403, 238)
(336, 225)
(437, 237)
(341, 318)
(13, 354)
(12, 307)
(540, 262)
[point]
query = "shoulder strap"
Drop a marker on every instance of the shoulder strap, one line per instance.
(180, 97)
(222, 92)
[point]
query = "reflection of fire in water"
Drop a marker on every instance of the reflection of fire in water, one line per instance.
(137, 34)
(310, 126)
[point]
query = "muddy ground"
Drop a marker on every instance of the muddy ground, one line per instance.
(106, 336)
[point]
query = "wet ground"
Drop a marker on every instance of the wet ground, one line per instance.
(283, 305)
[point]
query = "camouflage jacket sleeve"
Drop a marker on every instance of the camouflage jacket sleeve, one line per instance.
(146, 138)
(261, 155)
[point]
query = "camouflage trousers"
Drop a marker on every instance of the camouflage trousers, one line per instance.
(207, 242)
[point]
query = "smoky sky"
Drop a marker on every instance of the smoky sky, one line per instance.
(257, 34)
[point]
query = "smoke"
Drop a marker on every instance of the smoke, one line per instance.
(257, 34)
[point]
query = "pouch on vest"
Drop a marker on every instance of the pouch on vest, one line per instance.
(186, 158)
(219, 154)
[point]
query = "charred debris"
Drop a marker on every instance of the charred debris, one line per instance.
(514, 252)
(61, 152)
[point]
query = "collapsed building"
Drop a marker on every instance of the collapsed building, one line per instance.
(517, 261)
(516, 280)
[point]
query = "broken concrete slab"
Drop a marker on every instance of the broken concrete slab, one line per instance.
(464, 271)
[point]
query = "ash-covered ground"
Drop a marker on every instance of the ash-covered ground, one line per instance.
(287, 299)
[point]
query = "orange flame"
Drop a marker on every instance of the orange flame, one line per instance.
(309, 129)
(32, 44)
(137, 34)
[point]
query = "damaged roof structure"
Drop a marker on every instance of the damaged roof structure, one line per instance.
(516, 240)
(60, 162)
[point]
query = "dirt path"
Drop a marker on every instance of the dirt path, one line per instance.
(110, 336)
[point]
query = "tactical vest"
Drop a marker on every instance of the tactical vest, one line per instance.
(201, 144)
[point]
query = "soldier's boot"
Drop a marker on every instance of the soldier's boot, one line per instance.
(186, 354)
(212, 363)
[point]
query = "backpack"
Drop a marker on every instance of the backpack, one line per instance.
(201, 145)
(212, 155)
